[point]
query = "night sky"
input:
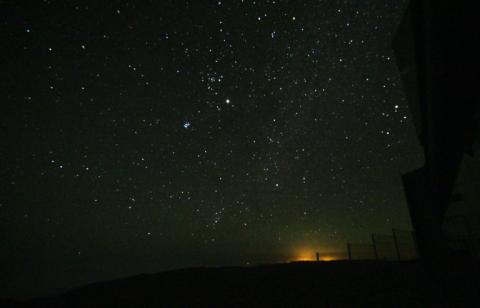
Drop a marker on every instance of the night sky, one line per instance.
(160, 134)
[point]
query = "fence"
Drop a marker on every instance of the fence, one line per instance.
(407, 246)
(463, 233)
(400, 245)
(360, 251)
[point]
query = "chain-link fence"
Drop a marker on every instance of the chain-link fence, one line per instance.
(463, 233)
(400, 245)
(358, 251)
(407, 246)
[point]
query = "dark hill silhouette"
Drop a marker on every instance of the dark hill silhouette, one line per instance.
(320, 284)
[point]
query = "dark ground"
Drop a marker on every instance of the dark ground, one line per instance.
(319, 284)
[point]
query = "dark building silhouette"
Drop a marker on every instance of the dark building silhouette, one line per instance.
(437, 53)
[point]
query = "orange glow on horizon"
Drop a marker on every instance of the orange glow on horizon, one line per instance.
(311, 255)
(328, 258)
(304, 255)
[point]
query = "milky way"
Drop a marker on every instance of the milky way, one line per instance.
(179, 132)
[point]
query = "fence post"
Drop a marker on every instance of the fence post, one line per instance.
(396, 244)
(374, 247)
(349, 249)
